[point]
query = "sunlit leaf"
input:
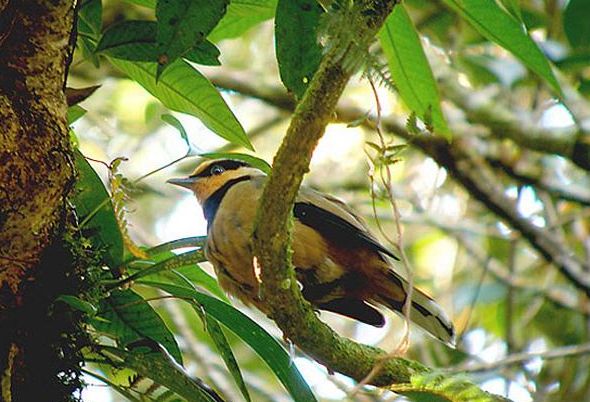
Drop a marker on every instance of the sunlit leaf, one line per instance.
(75, 112)
(223, 347)
(268, 348)
(496, 25)
(182, 88)
(410, 69)
(242, 15)
(513, 8)
(174, 122)
(144, 3)
(130, 40)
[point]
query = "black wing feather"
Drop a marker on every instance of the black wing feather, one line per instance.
(335, 228)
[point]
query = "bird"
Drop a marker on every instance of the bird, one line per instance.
(340, 265)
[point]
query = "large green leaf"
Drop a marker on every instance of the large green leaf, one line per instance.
(160, 368)
(135, 40)
(576, 23)
(223, 347)
(128, 318)
(297, 48)
(90, 18)
(497, 25)
(130, 40)
(242, 15)
(184, 89)
(219, 339)
(267, 347)
(89, 27)
(183, 24)
(410, 69)
(95, 210)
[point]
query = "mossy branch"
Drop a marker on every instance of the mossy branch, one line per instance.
(280, 290)
(272, 233)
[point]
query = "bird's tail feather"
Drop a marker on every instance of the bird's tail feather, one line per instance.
(424, 311)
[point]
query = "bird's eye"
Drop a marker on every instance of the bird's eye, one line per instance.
(217, 170)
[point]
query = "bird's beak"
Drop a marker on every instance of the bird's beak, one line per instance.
(186, 182)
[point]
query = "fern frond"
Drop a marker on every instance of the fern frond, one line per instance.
(378, 72)
(119, 200)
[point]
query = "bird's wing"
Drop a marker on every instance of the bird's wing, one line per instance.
(334, 220)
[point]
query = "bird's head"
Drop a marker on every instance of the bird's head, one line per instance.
(211, 175)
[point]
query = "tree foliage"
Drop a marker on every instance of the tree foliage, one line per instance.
(473, 117)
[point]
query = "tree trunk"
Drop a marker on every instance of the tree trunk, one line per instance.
(36, 176)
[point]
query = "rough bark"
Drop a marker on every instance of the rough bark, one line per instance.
(36, 172)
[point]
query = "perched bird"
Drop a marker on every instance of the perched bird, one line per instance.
(341, 266)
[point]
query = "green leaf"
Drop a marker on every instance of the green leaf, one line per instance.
(498, 26)
(174, 122)
(90, 18)
(135, 40)
(410, 69)
(130, 40)
(444, 387)
(159, 367)
(267, 347)
(205, 53)
(195, 242)
(576, 18)
(94, 207)
(127, 317)
(183, 24)
(144, 3)
(75, 112)
(513, 8)
(188, 260)
(242, 15)
(252, 160)
(297, 48)
(223, 347)
(89, 27)
(186, 90)
(78, 304)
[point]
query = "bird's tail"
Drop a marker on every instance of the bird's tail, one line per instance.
(424, 311)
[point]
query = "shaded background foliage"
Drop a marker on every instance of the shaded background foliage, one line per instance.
(494, 205)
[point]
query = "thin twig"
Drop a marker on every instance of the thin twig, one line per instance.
(556, 353)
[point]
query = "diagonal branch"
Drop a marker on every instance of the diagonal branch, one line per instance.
(271, 236)
(571, 143)
(476, 177)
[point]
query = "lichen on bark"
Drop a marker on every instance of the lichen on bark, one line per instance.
(36, 177)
